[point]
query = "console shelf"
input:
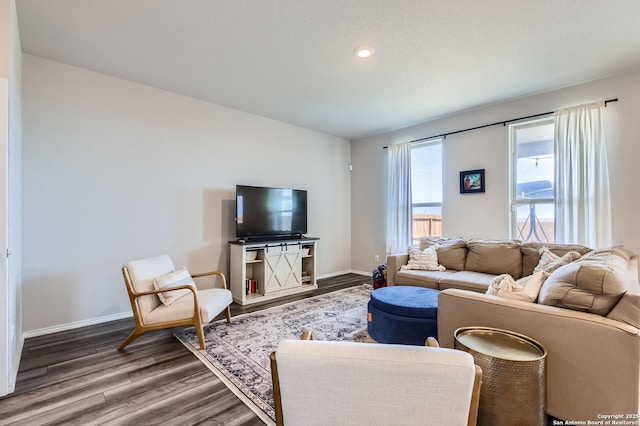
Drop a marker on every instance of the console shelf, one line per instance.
(267, 270)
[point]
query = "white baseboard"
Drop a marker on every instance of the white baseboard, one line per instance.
(100, 320)
(77, 324)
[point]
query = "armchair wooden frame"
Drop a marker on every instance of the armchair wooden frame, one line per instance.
(196, 320)
(432, 342)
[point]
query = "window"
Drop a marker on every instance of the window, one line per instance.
(426, 189)
(532, 181)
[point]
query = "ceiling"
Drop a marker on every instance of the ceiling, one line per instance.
(293, 61)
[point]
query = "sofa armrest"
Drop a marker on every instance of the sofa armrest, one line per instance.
(592, 361)
(394, 262)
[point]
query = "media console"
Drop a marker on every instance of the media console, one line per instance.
(264, 270)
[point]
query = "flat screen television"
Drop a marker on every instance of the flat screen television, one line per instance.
(263, 213)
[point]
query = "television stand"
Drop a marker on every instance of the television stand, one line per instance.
(271, 239)
(269, 269)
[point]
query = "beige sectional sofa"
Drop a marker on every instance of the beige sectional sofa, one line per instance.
(590, 324)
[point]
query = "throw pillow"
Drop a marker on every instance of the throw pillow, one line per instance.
(173, 279)
(451, 251)
(426, 260)
(525, 289)
(550, 261)
(593, 285)
(531, 253)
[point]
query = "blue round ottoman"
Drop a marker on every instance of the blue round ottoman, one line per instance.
(403, 314)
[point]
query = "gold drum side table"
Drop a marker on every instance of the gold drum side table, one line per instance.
(513, 390)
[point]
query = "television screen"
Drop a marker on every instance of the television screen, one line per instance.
(270, 212)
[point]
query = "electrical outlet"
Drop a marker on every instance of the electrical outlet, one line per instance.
(376, 258)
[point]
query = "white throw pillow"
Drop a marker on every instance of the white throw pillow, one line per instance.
(550, 261)
(426, 260)
(173, 279)
(525, 289)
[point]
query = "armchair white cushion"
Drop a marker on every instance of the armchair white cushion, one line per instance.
(195, 307)
(212, 302)
(349, 383)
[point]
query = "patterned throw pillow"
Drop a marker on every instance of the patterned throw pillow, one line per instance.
(525, 289)
(550, 261)
(173, 279)
(426, 260)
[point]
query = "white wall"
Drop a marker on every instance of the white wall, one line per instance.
(115, 171)
(487, 215)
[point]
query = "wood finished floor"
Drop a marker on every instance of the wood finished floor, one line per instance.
(77, 377)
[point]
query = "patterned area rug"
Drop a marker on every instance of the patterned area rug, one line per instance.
(239, 352)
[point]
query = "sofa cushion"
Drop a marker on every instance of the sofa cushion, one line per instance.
(531, 253)
(467, 280)
(451, 251)
(426, 260)
(494, 257)
(428, 279)
(525, 289)
(550, 261)
(594, 284)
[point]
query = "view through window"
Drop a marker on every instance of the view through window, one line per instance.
(532, 177)
(426, 189)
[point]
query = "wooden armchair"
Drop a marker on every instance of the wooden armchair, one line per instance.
(347, 383)
(195, 307)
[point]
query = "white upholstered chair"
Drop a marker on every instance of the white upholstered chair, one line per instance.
(189, 306)
(347, 383)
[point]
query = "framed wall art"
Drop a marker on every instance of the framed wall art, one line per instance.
(472, 181)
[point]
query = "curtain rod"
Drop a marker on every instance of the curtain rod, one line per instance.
(504, 123)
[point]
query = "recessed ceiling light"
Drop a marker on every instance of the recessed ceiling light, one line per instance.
(364, 52)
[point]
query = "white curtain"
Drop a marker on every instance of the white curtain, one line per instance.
(583, 201)
(399, 215)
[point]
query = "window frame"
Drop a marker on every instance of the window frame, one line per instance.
(422, 144)
(514, 203)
